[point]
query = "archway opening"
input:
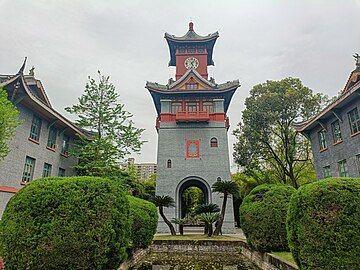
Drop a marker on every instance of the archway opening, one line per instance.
(192, 193)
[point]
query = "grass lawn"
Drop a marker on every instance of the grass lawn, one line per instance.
(196, 237)
(287, 256)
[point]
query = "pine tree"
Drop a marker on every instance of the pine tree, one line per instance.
(113, 134)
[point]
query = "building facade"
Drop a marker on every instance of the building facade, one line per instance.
(192, 125)
(144, 170)
(42, 140)
(335, 132)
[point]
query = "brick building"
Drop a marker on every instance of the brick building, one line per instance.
(335, 132)
(42, 140)
(192, 125)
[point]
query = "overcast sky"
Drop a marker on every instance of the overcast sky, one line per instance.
(259, 40)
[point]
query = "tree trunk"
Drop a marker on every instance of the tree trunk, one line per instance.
(206, 228)
(171, 227)
(222, 216)
(210, 229)
(181, 229)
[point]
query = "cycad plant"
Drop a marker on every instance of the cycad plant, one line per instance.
(209, 219)
(226, 188)
(207, 208)
(180, 222)
(161, 202)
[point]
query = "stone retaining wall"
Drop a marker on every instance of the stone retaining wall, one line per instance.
(264, 261)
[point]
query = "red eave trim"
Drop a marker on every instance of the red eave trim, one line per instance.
(8, 189)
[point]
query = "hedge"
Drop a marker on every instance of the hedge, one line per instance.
(323, 225)
(263, 217)
(144, 219)
(65, 223)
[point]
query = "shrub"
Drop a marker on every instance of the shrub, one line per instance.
(263, 217)
(323, 224)
(144, 220)
(65, 223)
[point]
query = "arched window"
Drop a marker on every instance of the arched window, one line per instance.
(168, 163)
(213, 142)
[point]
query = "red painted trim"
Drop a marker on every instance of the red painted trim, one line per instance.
(64, 155)
(355, 134)
(8, 189)
(51, 149)
(199, 116)
(34, 141)
(189, 143)
(322, 150)
(338, 142)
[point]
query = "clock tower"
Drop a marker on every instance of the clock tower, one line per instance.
(192, 125)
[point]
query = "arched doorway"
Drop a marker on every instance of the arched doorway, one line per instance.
(195, 187)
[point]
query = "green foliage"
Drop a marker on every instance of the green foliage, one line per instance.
(323, 225)
(209, 219)
(9, 120)
(191, 198)
(226, 188)
(163, 201)
(263, 217)
(65, 223)
(144, 219)
(266, 138)
(207, 208)
(113, 133)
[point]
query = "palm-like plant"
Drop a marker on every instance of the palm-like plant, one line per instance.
(209, 219)
(181, 222)
(161, 202)
(207, 208)
(227, 188)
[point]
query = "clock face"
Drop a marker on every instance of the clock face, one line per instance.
(191, 62)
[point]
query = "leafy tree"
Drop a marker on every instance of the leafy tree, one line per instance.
(226, 188)
(209, 219)
(113, 135)
(165, 201)
(266, 138)
(9, 120)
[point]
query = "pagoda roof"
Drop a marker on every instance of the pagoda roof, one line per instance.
(191, 38)
(350, 92)
(30, 92)
(172, 90)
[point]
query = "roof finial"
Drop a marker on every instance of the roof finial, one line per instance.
(21, 70)
(191, 26)
(32, 71)
(357, 60)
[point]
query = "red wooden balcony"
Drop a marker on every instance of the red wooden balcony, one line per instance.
(199, 116)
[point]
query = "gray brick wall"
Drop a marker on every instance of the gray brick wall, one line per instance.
(213, 163)
(11, 168)
(348, 149)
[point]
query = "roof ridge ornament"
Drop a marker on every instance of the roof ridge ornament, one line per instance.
(191, 26)
(21, 70)
(32, 71)
(357, 60)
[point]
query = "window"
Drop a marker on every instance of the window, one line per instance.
(28, 173)
(327, 171)
(336, 131)
(358, 162)
(354, 120)
(208, 107)
(47, 170)
(35, 128)
(176, 107)
(52, 138)
(213, 142)
(61, 172)
(191, 86)
(322, 139)
(65, 145)
(192, 106)
(168, 165)
(343, 169)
